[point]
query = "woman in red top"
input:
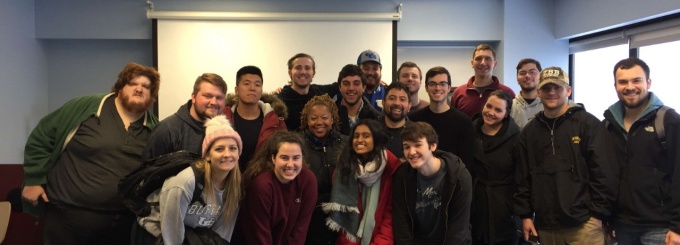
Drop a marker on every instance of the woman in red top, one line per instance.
(281, 193)
(361, 196)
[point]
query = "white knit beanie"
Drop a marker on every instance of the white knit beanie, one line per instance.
(219, 127)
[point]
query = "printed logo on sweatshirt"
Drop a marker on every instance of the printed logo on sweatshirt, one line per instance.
(429, 198)
(209, 209)
(576, 140)
(206, 221)
(649, 129)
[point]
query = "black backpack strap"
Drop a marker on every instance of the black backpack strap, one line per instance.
(658, 125)
(199, 186)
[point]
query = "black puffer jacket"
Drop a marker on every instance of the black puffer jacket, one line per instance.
(322, 157)
(563, 173)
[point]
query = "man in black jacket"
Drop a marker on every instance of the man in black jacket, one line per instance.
(301, 70)
(432, 194)
(648, 204)
(184, 130)
(562, 172)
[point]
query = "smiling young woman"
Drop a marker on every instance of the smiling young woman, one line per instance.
(281, 193)
(323, 143)
(216, 210)
(361, 196)
(495, 136)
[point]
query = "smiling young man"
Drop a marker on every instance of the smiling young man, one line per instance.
(255, 116)
(396, 106)
(301, 70)
(410, 75)
(563, 174)
(470, 98)
(648, 206)
(184, 130)
(353, 105)
(432, 194)
(453, 127)
(526, 103)
(369, 62)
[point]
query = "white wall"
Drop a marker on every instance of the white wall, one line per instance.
(528, 33)
(452, 20)
(23, 97)
(459, 21)
(580, 17)
(86, 66)
(71, 29)
(85, 19)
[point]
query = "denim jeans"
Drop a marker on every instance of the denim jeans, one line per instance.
(640, 235)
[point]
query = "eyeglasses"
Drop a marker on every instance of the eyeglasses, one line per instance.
(435, 84)
(530, 72)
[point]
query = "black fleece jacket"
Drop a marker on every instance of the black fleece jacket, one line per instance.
(648, 176)
(456, 199)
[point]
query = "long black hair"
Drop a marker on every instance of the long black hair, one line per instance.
(348, 159)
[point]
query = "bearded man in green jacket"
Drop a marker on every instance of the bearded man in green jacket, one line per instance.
(76, 155)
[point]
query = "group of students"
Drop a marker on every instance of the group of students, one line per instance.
(347, 178)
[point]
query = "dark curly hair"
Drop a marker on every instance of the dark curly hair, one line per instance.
(323, 100)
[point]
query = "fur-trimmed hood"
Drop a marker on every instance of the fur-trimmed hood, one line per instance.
(268, 102)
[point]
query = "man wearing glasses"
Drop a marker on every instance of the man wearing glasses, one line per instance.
(453, 127)
(526, 103)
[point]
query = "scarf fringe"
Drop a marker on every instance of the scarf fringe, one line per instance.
(336, 227)
(333, 206)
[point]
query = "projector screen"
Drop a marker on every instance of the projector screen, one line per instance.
(188, 48)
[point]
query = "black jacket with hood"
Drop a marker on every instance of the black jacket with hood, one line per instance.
(494, 183)
(177, 132)
(563, 173)
(648, 176)
(456, 199)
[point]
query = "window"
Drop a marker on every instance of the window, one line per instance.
(663, 71)
(593, 84)
(594, 58)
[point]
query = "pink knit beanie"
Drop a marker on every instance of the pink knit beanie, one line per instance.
(217, 128)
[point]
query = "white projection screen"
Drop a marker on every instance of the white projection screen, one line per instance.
(188, 48)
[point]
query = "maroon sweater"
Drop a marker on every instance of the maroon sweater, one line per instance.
(467, 99)
(276, 213)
